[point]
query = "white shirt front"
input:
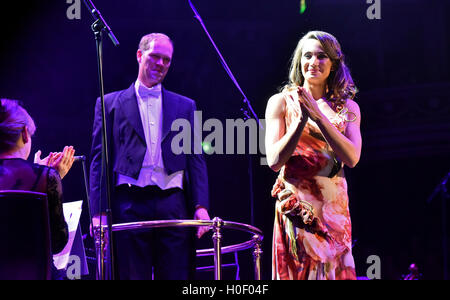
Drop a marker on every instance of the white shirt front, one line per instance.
(152, 171)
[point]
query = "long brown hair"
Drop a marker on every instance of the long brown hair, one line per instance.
(340, 86)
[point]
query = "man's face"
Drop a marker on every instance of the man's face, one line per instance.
(154, 63)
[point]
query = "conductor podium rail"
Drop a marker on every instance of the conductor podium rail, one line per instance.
(216, 226)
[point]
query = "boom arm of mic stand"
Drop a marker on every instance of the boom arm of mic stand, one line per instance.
(244, 111)
(441, 187)
(225, 65)
(100, 21)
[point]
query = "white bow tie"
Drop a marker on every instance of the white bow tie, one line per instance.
(145, 91)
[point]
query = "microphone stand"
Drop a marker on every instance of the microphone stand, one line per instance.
(442, 189)
(245, 110)
(86, 186)
(98, 27)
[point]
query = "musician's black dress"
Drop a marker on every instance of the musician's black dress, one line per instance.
(18, 174)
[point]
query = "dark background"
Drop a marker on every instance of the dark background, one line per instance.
(400, 64)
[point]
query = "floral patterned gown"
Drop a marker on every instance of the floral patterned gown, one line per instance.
(321, 247)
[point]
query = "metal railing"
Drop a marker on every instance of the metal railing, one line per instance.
(216, 225)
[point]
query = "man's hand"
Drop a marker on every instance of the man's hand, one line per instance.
(96, 222)
(202, 214)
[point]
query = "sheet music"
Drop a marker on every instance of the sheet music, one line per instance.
(72, 214)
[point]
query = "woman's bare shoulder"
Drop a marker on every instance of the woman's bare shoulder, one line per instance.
(352, 105)
(276, 105)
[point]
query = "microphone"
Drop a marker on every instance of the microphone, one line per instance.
(79, 158)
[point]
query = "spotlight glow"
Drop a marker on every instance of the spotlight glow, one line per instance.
(302, 6)
(206, 147)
